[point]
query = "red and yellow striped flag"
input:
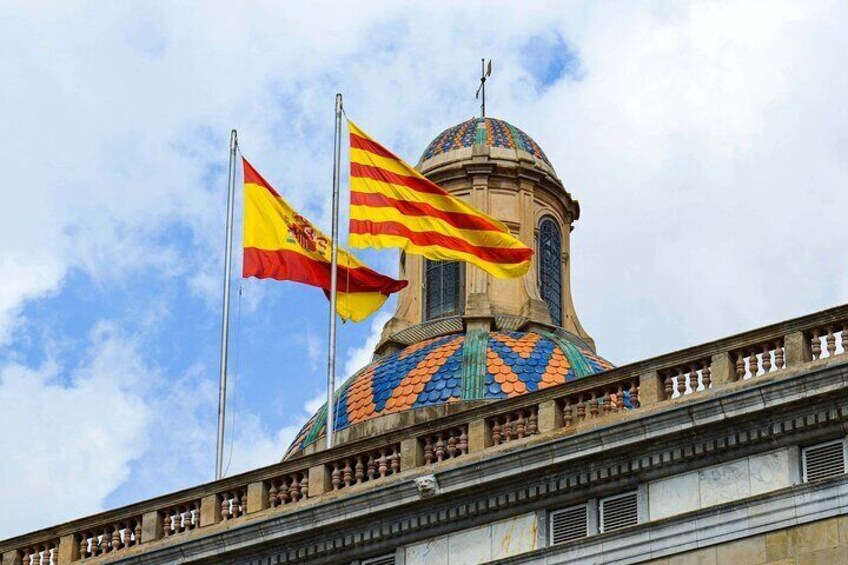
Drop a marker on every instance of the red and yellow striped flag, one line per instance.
(281, 244)
(393, 205)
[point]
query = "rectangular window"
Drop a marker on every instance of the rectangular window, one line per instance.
(444, 289)
(388, 559)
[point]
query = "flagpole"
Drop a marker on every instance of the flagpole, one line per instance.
(331, 361)
(225, 317)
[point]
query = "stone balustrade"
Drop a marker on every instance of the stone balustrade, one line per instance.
(612, 398)
(682, 376)
(42, 554)
(109, 538)
(288, 489)
(446, 444)
(513, 425)
(364, 467)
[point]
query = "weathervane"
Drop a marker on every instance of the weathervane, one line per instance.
(485, 71)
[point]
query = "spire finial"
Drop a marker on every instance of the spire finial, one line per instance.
(485, 72)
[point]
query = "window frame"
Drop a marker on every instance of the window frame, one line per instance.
(460, 299)
(540, 267)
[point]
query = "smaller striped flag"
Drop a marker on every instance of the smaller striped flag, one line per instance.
(281, 244)
(393, 205)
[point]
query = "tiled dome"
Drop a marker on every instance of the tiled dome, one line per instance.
(450, 368)
(484, 131)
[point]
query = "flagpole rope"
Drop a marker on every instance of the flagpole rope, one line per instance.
(236, 378)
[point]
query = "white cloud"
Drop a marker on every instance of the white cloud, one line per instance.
(90, 428)
(706, 142)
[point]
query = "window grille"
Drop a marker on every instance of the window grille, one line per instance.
(444, 289)
(569, 524)
(550, 267)
(824, 460)
(619, 511)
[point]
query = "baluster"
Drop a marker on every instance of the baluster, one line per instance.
(778, 355)
(463, 441)
(581, 409)
(244, 502)
(166, 525)
(845, 338)
(593, 405)
(225, 507)
(395, 461)
(634, 394)
(606, 402)
(116, 539)
(692, 379)
(286, 482)
(372, 467)
(706, 379)
(103, 546)
(496, 431)
(766, 359)
(452, 450)
(296, 489)
(508, 430)
(83, 545)
(753, 363)
(567, 417)
(347, 473)
(360, 471)
(440, 448)
(619, 398)
(831, 342)
(519, 425)
(304, 486)
(668, 386)
(382, 463)
(237, 505)
(681, 381)
(272, 494)
(815, 345)
(533, 422)
(428, 449)
(137, 532)
(335, 477)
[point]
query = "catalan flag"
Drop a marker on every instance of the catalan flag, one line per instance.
(393, 205)
(281, 244)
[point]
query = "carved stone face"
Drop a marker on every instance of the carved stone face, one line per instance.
(427, 486)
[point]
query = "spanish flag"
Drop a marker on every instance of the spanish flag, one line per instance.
(281, 244)
(393, 205)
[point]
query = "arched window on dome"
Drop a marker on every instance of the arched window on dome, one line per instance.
(549, 249)
(444, 288)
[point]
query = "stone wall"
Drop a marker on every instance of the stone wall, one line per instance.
(821, 543)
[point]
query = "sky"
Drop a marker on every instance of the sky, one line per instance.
(707, 143)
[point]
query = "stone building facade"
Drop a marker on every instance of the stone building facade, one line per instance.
(488, 429)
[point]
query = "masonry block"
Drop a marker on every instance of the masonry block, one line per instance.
(319, 480)
(411, 454)
(722, 370)
(550, 416)
(68, 550)
(479, 436)
(257, 496)
(151, 527)
(650, 388)
(797, 349)
(210, 510)
(11, 557)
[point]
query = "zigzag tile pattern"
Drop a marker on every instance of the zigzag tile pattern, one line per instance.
(431, 373)
(498, 133)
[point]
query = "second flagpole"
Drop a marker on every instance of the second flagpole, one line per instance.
(334, 256)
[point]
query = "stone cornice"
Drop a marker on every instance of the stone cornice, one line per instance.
(534, 474)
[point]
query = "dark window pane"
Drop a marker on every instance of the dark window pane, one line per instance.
(443, 289)
(550, 267)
